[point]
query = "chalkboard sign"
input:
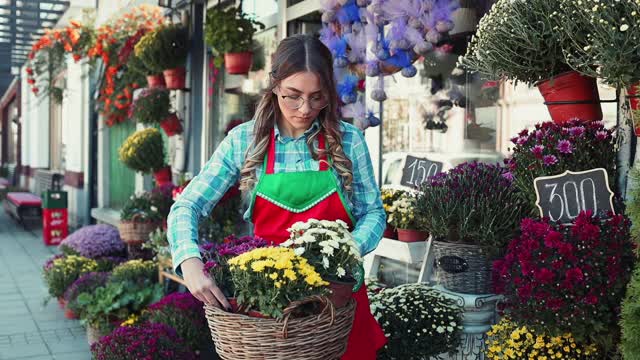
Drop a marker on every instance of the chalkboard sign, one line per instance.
(417, 170)
(453, 264)
(562, 197)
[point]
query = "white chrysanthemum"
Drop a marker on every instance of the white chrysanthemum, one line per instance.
(325, 262)
(340, 272)
(299, 251)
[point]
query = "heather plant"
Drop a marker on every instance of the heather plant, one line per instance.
(473, 203)
(144, 341)
(94, 241)
(185, 314)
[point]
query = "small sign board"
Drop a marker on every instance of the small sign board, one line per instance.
(453, 264)
(417, 170)
(562, 197)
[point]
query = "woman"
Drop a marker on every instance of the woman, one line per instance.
(296, 143)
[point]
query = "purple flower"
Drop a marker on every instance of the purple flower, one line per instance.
(211, 264)
(550, 160)
(537, 151)
(86, 283)
(508, 175)
(539, 134)
(522, 140)
(602, 135)
(577, 131)
(95, 241)
(564, 146)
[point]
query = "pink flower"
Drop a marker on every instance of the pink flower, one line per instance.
(564, 146)
(549, 160)
(537, 151)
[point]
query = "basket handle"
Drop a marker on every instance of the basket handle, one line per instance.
(327, 306)
(135, 218)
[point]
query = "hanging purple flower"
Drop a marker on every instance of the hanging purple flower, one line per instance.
(549, 160)
(537, 151)
(564, 146)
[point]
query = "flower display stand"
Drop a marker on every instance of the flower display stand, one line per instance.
(165, 271)
(479, 314)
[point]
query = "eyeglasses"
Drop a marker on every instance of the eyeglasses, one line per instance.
(295, 102)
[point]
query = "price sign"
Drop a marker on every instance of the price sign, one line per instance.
(417, 170)
(562, 197)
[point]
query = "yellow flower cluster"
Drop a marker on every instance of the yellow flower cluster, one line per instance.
(75, 264)
(132, 320)
(279, 264)
(510, 341)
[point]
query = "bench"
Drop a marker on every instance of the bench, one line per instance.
(10, 174)
(23, 206)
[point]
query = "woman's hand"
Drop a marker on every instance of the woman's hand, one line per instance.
(202, 286)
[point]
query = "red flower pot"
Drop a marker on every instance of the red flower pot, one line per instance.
(62, 303)
(238, 63)
(175, 78)
(575, 97)
(155, 81)
(69, 314)
(634, 101)
(341, 292)
(163, 176)
(390, 233)
(171, 125)
(408, 236)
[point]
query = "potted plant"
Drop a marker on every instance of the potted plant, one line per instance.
(550, 149)
(158, 244)
(144, 152)
(94, 242)
(86, 283)
(402, 216)
(62, 271)
(152, 341)
(630, 318)
(230, 33)
(521, 41)
(420, 323)
(388, 197)
(146, 51)
(573, 278)
(171, 54)
(138, 218)
(472, 211)
(153, 106)
(331, 250)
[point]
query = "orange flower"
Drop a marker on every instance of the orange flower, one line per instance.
(75, 24)
(68, 47)
(76, 57)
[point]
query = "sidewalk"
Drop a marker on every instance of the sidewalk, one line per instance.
(28, 329)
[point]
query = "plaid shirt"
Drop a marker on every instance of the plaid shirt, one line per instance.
(223, 171)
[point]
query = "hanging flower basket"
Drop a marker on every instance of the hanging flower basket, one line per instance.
(156, 81)
(409, 236)
(136, 232)
(463, 268)
(571, 95)
(163, 175)
(238, 63)
(175, 78)
(171, 125)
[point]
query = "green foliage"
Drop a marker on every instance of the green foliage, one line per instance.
(518, 40)
(230, 31)
(633, 204)
(630, 322)
(64, 271)
(141, 209)
(158, 244)
(135, 65)
(152, 106)
(143, 151)
(173, 46)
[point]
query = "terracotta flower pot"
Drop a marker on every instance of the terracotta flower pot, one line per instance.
(175, 78)
(171, 125)
(571, 95)
(341, 292)
(390, 233)
(62, 303)
(69, 314)
(238, 63)
(163, 176)
(155, 81)
(407, 235)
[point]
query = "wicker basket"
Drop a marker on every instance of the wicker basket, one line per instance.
(136, 232)
(321, 337)
(462, 268)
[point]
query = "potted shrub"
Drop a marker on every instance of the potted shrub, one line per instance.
(630, 319)
(152, 341)
(573, 278)
(153, 106)
(146, 51)
(230, 33)
(62, 271)
(86, 283)
(550, 149)
(172, 51)
(472, 211)
(419, 322)
(402, 216)
(94, 242)
(388, 197)
(138, 218)
(144, 152)
(331, 250)
(521, 41)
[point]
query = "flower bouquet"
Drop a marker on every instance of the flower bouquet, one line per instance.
(331, 250)
(402, 216)
(297, 322)
(419, 322)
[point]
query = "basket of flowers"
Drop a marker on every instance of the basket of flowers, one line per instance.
(297, 320)
(138, 218)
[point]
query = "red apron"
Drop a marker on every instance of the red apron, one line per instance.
(282, 199)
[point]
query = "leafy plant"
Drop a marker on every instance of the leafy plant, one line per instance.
(140, 208)
(419, 322)
(158, 244)
(63, 271)
(630, 321)
(518, 40)
(152, 106)
(633, 205)
(86, 283)
(230, 31)
(173, 46)
(143, 151)
(473, 203)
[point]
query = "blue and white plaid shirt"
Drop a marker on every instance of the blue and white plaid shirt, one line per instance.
(223, 171)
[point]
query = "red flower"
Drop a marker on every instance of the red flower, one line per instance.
(544, 276)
